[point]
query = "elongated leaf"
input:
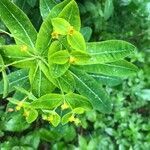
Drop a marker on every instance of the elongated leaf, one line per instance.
(44, 36)
(71, 14)
(27, 93)
(6, 84)
(76, 100)
(109, 51)
(108, 10)
(33, 114)
(48, 101)
(46, 7)
(66, 82)
(15, 52)
(120, 68)
(106, 80)
(18, 23)
(89, 88)
(19, 54)
(76, 40)
(16, 78)
(5, 78)
(45, 69)
(39, 83)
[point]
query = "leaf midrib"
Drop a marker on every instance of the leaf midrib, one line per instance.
(90, 89)
(25, 77)
(19, 24)
(108, 52)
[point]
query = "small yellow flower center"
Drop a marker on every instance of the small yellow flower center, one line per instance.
(72, 60)
(50, 118)
(77, 121)
(55, 35)
(71, 30)
(64, 106)
(19, 105)
(24, 48)
(18, 108)
(72, 118)
(26, 113)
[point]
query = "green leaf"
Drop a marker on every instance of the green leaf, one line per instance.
(18, 54)
(65, 118)
(56, 119)
(109, 51)
(143, 94)
(60, 25)
(57, 70)
(60, 57)
(86, 32)
(6, 84)
(39, 83)
(45, 69)
(15, 52)
(76, 40)
(5, 78)
(80, 57)
(54, 47)
(89, 88)
(33, 114)
(15, 122)
(15, 101)
(76, 100)
(2, 41)
(16, 78)
(46, 7)
(24, 91)
(78, 110)
(120, 68)
(71, 14)
(58, 9)
(48, 101)
(31, 2)
(44, 36)
(66, 82)
(106, 80)
(108, 10)
(18, 23)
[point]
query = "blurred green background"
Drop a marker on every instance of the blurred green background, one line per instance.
(128, 127)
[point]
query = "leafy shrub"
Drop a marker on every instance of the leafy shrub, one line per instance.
(82, 68)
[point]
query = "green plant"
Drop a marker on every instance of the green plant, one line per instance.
(60, 75)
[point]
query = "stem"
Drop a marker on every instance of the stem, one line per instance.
(16, 62)
(62, 92)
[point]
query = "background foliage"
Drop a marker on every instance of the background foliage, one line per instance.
(129, 126)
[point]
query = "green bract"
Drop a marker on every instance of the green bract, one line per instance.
(58, 69)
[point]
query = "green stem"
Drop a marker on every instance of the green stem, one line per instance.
(20, 61)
